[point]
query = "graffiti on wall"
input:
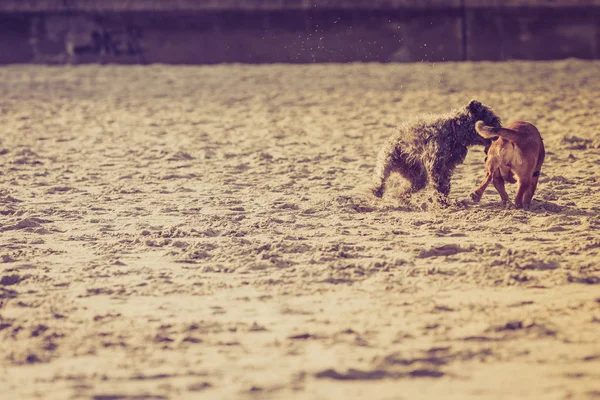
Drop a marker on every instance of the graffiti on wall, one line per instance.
(125, 42)
(83, 38)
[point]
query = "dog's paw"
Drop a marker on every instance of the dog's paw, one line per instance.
(461, 203)
(475, 197)
(377, 192)
(440, 200)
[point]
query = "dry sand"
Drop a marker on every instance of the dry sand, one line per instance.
(177, 232)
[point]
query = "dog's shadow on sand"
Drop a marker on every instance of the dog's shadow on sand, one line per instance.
(538, 207)
(363, 201)
(543, 206)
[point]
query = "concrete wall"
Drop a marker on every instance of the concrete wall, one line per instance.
(212, 5)
(297, 31)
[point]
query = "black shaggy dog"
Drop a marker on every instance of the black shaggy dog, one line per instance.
(430, 147)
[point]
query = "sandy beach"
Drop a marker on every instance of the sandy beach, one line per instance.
(171, 232)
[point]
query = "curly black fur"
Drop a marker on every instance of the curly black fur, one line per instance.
(428, 149)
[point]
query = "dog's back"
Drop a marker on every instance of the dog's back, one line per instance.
(517, 144)
(518, 150)
(530, 141)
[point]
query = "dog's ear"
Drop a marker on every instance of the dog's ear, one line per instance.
(475, 107)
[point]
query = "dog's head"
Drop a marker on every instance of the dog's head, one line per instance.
(479, 112)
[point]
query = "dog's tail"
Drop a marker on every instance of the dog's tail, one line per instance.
(490, 132)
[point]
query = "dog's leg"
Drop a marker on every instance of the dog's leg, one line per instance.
(439, 177)
(528, 194)
(524, 185)
(478, 193)
(378, 187)
(499, 185)
(417, 178)
(442, 184)
(382, 173)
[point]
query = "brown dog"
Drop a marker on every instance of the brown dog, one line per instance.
(519, 150)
